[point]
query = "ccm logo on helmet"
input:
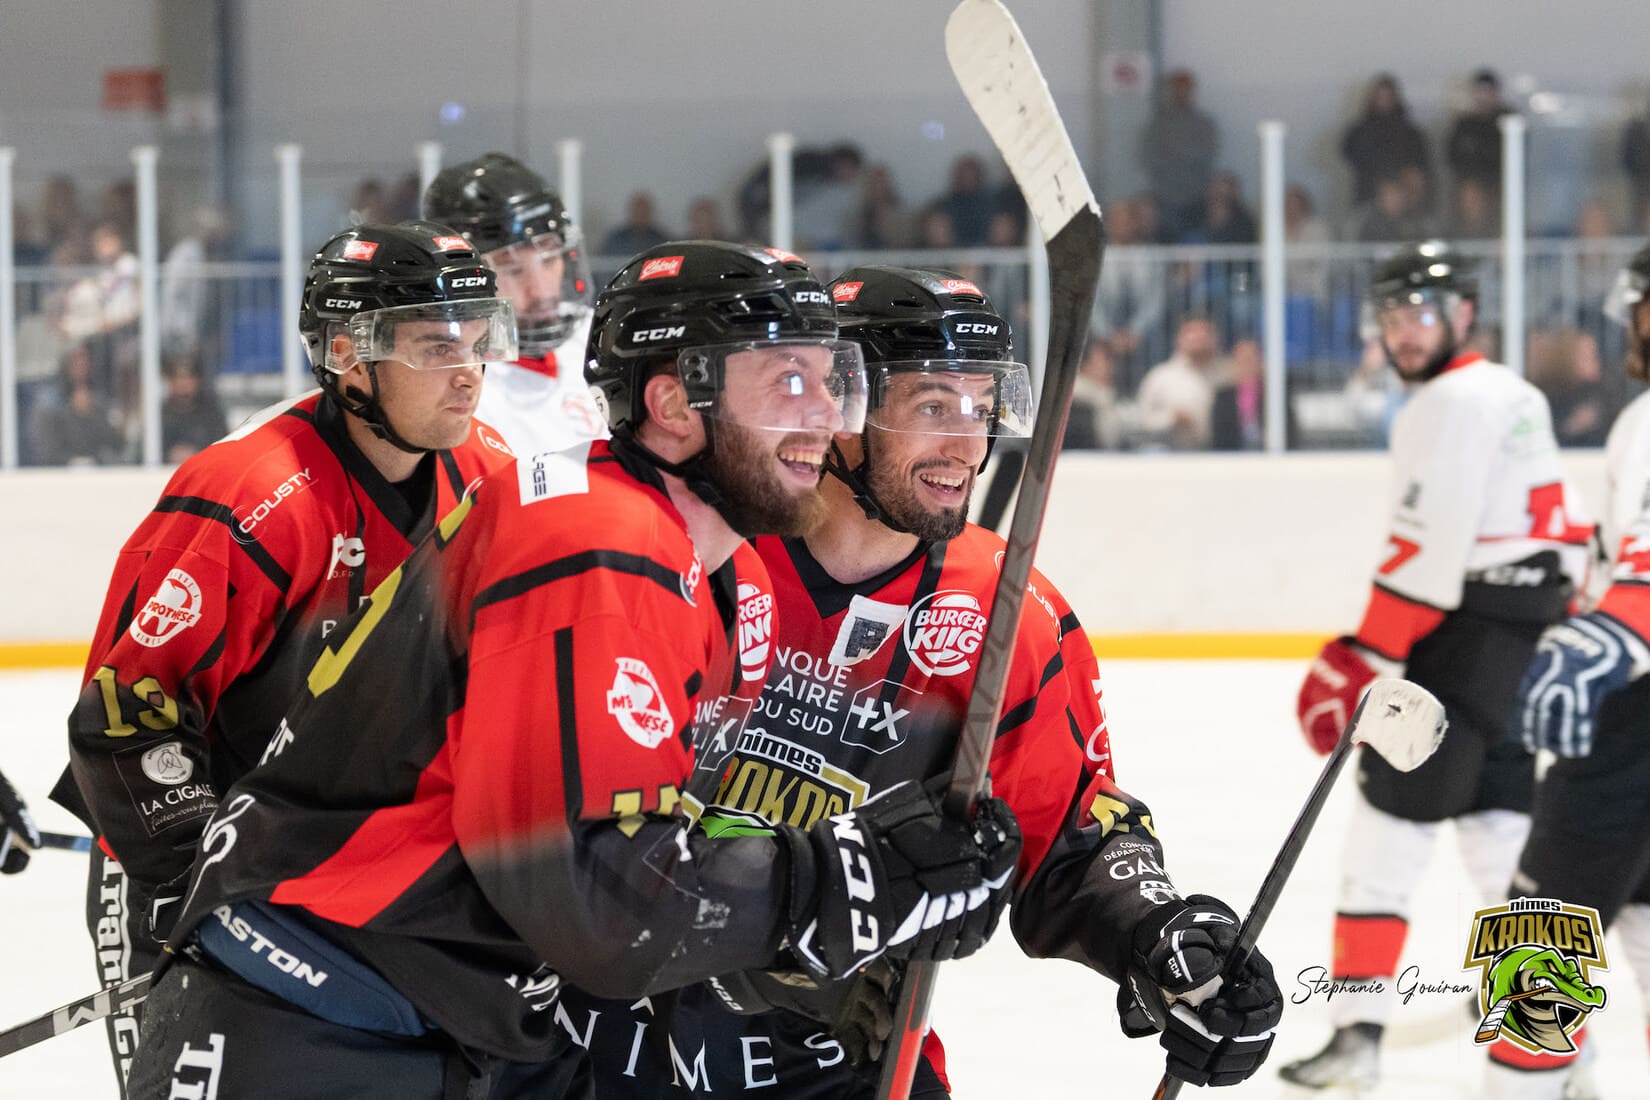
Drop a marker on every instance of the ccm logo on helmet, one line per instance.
(981, 329)
(813, 297)
(343, 303)
(470, 280)
(645, 335)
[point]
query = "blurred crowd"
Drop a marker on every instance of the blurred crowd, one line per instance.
(1174, 360)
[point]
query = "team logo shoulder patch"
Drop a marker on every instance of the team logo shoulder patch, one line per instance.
(1536, 958)
(174, 608)
(166, 764)
(943, 633)
(637, 703)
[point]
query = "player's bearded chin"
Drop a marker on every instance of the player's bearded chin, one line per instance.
(754, 501)
(897, 494)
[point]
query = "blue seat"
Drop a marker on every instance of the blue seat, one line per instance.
(254, 344)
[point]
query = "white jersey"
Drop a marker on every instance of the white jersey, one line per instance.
(543, 410)
(1627, 522)
(1483, 507)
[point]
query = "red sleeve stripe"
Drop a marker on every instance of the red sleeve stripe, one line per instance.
(1629, 602)
(1393, 623)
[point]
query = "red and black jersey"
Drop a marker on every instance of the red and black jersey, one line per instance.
(484, 773)
(869, 686)
(220, 602)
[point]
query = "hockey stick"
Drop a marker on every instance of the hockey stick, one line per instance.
(1006, 89)
(104, 1002)
(68, 842)
(1401, 721)
(1489, 1028)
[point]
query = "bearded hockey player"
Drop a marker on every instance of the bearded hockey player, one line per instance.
(1487, 548)
(259, 547)
(510, 215)
(880, 611)
(1586, 698)
(488, 786)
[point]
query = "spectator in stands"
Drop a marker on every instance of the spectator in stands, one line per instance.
(1148, 219)
(1474, 147)
(1477, 212)
(879, 221)
(1383, 141)
(1236, 420)
(824, 213)
(367, 204)
(190, 416)
(969, 203)
(1391, 215)
(188, 324)
(1565, 365)
(1226, 218)
(403, 198)
(1177, 396)
(704, 217)
(27, 250)
(60, 215)
(1635, 161)
(76, 425)
(1097, 415)
(936, 230)
(639, 232)
(1308, 275)
(1178, 146)
(1006, 285)
(1128, 307)
(118, 208)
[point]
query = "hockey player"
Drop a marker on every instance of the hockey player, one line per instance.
(1487, 547)
(487, 787)
(511, 216)
(1586, 697)
(258, 548)
(18, 832)
(880, 614)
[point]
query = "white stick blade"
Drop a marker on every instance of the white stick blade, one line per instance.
(1005, 87)
(1404, 722)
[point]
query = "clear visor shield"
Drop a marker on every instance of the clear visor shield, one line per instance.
(1386, 317)
(438, 334)
(953, 397)
(782, 385)
(1630, 289)
(548, 280)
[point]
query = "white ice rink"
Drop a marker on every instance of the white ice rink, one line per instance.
(1212, 746)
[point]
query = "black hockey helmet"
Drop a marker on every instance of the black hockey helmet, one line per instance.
(689, 304)
(1426, 273)
(1632, 286)
(368, 279)
(939, 360)
(516, 221)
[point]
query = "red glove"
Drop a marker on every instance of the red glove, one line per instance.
(1334, 684)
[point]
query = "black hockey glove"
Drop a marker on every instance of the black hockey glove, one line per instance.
(858, 1010)
(18, 833)
(896, 875)
(1215, 1032)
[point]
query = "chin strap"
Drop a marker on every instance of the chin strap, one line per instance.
(856, 478)
(646, 465)
(366, 407)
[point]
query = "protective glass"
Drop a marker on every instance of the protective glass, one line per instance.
(547, 278)
(1388, 316)
(437, 335)
(782, 385)
(952, 397)
(1630, 289)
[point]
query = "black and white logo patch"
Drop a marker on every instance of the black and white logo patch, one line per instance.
(867, 625)
(167, 764)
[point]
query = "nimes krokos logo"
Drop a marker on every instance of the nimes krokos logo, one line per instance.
(1536, 956)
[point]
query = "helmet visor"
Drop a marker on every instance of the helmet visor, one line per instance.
(782, 385)
(436, 335)
(1386, 316)
(976, 397)
(547, 279)
(1630, 289)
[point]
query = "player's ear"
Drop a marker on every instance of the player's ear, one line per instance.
(667, 406)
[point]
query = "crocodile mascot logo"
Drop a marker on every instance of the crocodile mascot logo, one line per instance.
(1536, 955)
